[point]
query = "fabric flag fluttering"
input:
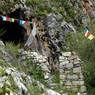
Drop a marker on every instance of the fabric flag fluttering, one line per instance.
(12, 20)
(31, 36)
(88, 34)
(90, 37)
(34, 30)
(5, 18)
(22, 22)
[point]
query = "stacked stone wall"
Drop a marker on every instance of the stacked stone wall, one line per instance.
(71, 76)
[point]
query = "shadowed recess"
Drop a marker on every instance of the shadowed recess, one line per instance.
(12, 31)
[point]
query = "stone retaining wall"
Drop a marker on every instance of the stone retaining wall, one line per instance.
(71, 77)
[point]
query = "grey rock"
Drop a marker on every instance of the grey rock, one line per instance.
(72, 77)
(75, 89)
(67, 54)
(68, 71)
(62, 77)
(81, 76)
(20, 51)
(2, 80)
(69, 66)
(67, 27)
(72, 57)
(51, 20)
(77, 70)
(2, 44)
(80, 83)
(8, 57)
(61, 58)
(64, 62)
(83, 89)
(44, 67)
(23, 58)
(17, 79)
(59, 17)
(78, 93)
(85, 94)
(68, 83)
(9, 71)
(61, 71)
(51, 92)
(76, 83)
(24, 53)
(1, 84)
(65, 94)
(76, 61)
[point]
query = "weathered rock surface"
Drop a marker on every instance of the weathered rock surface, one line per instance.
(51, 92)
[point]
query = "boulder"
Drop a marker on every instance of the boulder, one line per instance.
(66, 54)
(51, 92)
(2, 44)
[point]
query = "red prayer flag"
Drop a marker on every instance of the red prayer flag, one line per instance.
(7, 18)
(26, 22)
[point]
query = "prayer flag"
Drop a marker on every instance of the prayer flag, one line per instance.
(90, 37)
(12, 20)
(88, 34)
(3, 18)
(21, 22)
(26, 22)
(31, 36)
(34, 31)
(7, 18)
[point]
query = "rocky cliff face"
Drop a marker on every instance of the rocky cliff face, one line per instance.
(49, 46)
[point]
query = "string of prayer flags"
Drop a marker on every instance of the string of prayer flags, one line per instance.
(20, 21)
(88, 34)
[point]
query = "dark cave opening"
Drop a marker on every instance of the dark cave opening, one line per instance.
(12, 31)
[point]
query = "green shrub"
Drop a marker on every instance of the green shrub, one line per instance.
(12, 48)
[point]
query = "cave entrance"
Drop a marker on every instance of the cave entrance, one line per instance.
(12, 31)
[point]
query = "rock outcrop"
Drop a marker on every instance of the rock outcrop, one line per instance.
(46, 51)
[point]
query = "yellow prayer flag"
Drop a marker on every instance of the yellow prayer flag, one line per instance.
(90, 37)
(13, 20)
